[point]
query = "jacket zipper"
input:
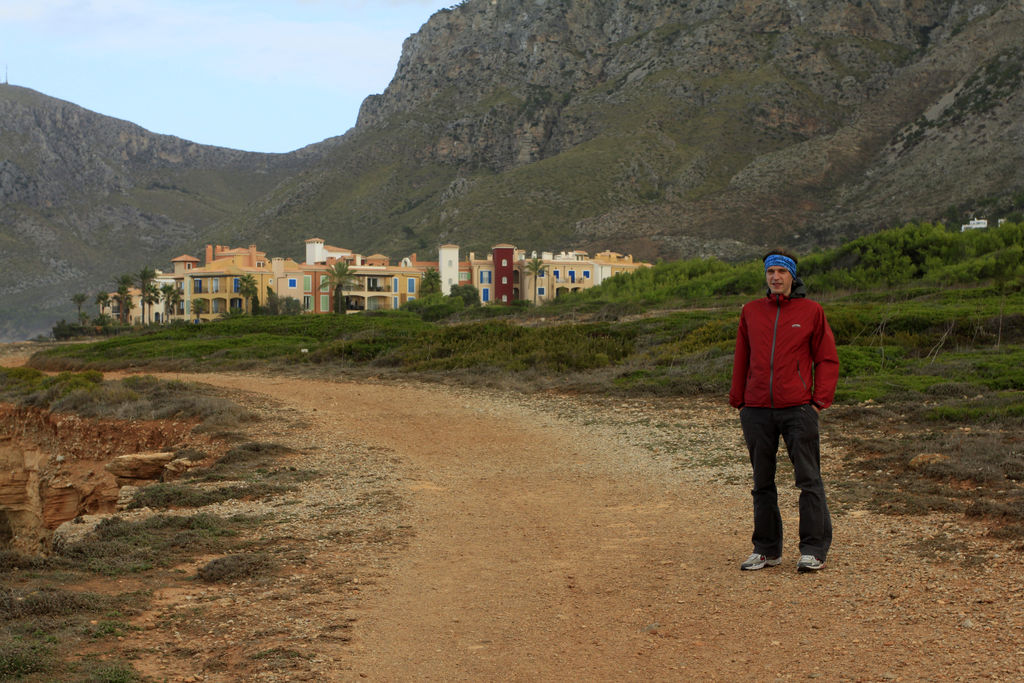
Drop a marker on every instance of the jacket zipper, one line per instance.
(771, 363)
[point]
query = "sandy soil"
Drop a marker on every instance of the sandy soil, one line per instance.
(551, 538)
(466, 534)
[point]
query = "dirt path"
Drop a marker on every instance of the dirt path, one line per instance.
(550, 538)
(462, 534)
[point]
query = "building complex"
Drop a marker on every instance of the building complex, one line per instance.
(218, 285)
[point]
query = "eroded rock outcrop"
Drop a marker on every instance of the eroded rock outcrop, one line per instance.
(54, 468)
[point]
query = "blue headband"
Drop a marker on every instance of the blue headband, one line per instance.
(780, 260)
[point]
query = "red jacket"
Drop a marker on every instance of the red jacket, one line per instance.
(785, 354)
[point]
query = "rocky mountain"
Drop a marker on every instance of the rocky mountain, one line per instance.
(85, 198)
(659, 128)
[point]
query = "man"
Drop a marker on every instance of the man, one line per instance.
(784, 373)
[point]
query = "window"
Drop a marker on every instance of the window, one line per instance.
(323, 282)
(412, 285)
(586, 274)
(394, 303)
(236, 285)
(485, 294)
(394, 285)
(485, 277)
(293, 283)
(558, 275)
(307, 283)
(197, 285)
(540, 291)
(325, 302)
(236, 304)
(504, 298)
(504, 280)
(504, 262)
(307, 302)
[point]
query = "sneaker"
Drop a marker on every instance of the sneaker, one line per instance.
(759, 561)
(809, 563)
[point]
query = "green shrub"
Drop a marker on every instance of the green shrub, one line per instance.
(107, 672)
(235, 567)
(118, 547)
(167, 496)
(45, 602)
(19, 659)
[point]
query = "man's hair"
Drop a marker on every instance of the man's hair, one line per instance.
(780, 252)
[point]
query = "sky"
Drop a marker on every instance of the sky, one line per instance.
(256, 75)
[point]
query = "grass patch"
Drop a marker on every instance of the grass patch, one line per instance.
(39, 628)
(133, 398)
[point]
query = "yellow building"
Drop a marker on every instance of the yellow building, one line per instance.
(217, 287)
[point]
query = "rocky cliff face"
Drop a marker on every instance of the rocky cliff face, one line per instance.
(758, 121)
(551, 60)
(659, 128)
(54, 468)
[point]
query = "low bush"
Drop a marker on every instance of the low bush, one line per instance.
(235, 567)
(19, 658)
(167, 496)
(118, 546)
(46, 602)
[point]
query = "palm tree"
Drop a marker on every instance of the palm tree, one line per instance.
(172, 297)
(536, 268)
(102, 300)
(145, 278)
(339, 278)
(249, 290)
(151, 297)
(78, 300)
(430, 283)
(199, 307)
(123, 296)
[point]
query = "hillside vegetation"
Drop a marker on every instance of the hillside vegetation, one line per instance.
(914, 310)
(929, 325)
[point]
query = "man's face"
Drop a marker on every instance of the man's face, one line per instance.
(780, 280)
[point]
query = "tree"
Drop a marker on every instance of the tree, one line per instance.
(78, 300)
(200, 307)
(150, 297)
(469, 294)
(172, 297)
(536, 268)
(339, 278)
(102, 300)
(430, 283)
(145, 279)
(291, 306)
(123, 296)
(282, 305)
(249, 290)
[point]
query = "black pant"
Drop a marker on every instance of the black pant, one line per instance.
(798, 427)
